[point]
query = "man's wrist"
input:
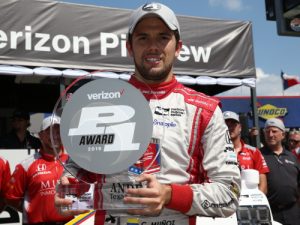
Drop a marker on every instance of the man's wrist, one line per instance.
(168, 194)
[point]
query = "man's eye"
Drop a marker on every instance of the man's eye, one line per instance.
(166, 37)
(141, 39)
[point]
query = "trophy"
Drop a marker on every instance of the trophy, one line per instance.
(106, 128)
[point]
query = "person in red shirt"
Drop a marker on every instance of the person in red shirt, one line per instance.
(248, 156)
(4, 178)
(294, 143)
(32, 185)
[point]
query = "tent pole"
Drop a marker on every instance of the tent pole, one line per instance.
(62, 88)
(255, 115)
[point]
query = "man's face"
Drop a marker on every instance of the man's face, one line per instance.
(19, 124)
(234, 128)
(273, 136)
(46, 135)
(154, 49)
(294, 141)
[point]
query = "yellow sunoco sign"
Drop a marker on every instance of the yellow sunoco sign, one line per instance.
(269, 111)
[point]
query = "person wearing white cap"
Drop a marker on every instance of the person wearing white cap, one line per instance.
(32, 184)
(248, 156)
(284, 176)
(196, 175)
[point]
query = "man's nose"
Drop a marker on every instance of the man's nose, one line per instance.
(153, 43)
(269, 133)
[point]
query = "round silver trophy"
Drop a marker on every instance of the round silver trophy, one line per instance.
(106, 128)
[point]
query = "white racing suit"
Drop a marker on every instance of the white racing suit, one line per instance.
(196, 157)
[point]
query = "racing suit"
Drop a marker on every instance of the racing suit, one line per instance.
(196, 157)
(34, 181)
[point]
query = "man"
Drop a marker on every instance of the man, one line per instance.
(20, 137)
(248, 157)
(198, 169)
(284, 176)
(4, 178)
(294, 143)
(32, 185)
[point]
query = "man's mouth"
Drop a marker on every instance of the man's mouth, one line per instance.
(152, 59)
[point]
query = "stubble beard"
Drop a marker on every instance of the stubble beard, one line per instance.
(155, 76)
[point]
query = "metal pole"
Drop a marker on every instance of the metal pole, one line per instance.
(255, 115)
(62, 87)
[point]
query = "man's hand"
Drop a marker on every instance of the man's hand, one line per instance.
(61, 202)
(154, 197)
(254, 132)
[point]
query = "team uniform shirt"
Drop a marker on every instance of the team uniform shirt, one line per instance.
(4, 176)
(284, 168)
(34, 181)
(251, 158)
(196, 157)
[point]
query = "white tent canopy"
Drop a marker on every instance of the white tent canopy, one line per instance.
(75, 73)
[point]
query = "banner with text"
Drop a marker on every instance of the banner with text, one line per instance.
(64, 35)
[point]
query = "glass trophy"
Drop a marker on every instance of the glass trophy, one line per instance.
(106, 128)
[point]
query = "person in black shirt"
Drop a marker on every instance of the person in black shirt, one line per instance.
(284, 176)
(20, 137)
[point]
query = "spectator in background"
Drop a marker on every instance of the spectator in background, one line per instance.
(20, 137)
(4, 178)
(284, 176)
(32, 185)
(294, 143)
(255, 133)
(248, 156)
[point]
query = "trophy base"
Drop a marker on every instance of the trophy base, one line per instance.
(107, 196)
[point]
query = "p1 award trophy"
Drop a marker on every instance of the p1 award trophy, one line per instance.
(106, 126)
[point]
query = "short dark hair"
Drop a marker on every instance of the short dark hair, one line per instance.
(21, 114)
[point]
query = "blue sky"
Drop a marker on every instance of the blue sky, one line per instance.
(272, 52)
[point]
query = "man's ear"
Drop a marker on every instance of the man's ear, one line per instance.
(178, 48)
(129, 48)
